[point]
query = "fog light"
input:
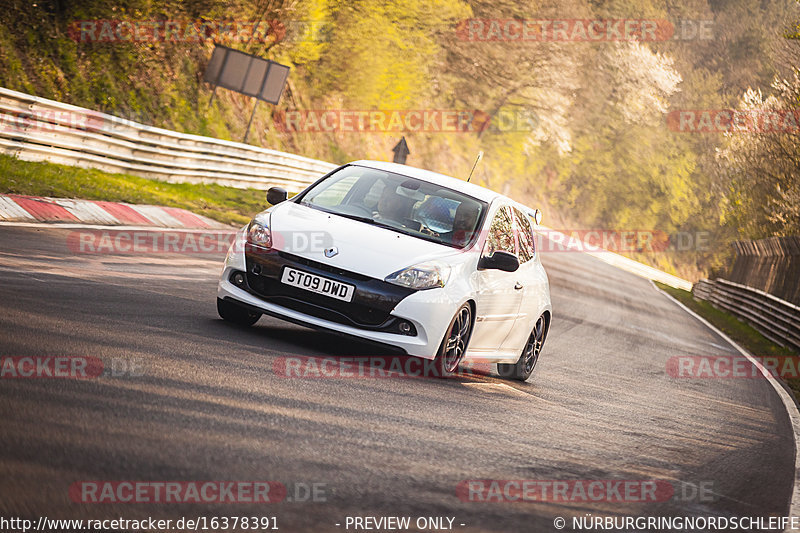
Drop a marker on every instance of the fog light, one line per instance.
(399, 326)
(238, 279)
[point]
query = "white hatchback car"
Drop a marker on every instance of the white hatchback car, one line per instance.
(435, 266)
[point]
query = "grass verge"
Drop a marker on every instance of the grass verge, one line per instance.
(741, 332)
(224, 204)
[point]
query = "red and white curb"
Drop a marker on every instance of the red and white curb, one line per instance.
(18, 208)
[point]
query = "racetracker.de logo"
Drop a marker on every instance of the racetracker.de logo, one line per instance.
(563, 30)
(612, 240)
(58, 367)
(580, 490)
(148, 242)
(51, 120)
(375, 367)
(620, 240)
(403, 121)
(175, 492)
(732, 366)
(734, 121)
(184, 31)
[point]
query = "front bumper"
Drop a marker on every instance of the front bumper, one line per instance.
(373, 315)
(370, 307)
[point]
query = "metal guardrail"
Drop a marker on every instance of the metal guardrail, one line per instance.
(37, 129)
(771, 264)
(776, 319)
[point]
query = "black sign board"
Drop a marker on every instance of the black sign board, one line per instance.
(246, 74)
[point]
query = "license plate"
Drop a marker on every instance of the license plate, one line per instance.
(318, 284)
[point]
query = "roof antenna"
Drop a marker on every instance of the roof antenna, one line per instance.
(477, 159)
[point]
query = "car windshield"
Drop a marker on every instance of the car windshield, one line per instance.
(400, 203)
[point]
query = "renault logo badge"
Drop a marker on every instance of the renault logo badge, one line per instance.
(330, 252)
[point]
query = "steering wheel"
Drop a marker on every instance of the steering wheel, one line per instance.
(423, 228)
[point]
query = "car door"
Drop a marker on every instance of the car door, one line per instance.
(533, 280)
(498, 295)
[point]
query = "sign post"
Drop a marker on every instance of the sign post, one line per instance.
(246, 74)
(401, 151)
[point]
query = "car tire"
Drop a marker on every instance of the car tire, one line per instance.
(455, 342)
(526, 363)
(231, 312)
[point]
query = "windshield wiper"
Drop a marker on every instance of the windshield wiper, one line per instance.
(359, 218)
(368, 220)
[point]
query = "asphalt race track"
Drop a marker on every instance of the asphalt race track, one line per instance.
(205, 403)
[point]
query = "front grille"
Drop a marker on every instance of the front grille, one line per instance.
(314, 304)
(322, 266)
(370, 308)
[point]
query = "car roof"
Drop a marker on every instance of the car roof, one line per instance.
(476, 191)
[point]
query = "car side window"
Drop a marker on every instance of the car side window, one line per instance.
(525, 236)
(501, 233)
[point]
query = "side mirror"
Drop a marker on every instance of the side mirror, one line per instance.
(499, 260)
(276, 195)
(537, 217)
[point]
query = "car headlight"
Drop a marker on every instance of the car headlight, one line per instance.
(428, 275)
(259, 232)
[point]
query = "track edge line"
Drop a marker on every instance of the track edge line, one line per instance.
(788, 401)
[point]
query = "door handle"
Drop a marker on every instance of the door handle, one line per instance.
(518, 286)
